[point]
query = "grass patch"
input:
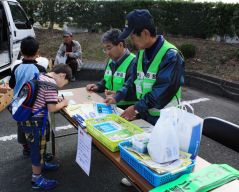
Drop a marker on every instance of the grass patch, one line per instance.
(212, 58)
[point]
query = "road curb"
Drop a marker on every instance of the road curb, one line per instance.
(91, 74)
(212, 85)
(196, 80)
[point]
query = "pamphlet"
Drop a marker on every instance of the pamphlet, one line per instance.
(108, 127)
(113, 130)
(81, 112)
(101, 109)
(161, 168)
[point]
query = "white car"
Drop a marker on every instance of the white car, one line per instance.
(14, 26)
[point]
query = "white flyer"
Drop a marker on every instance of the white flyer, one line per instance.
(83, 156)
(65, 93)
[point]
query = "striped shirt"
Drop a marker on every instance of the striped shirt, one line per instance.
(47, 94)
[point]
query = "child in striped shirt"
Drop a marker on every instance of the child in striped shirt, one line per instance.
(47, 97)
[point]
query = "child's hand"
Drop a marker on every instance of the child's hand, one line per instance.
(60, 99)
(64, 102)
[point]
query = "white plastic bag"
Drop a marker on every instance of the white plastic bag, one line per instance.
(163, 143)
(43, 61)
(189, 130)
(79, 64)
(61, 59)
(188, 127)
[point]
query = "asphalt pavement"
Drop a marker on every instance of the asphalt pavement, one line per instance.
(15, 171)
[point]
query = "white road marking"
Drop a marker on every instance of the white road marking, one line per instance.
(8, 138)
(64, 127)
(195, 101)
(14, 136)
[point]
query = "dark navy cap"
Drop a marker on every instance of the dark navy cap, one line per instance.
(137, 19)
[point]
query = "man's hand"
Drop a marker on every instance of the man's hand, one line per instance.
(68, 53)
(129, 113)
(91, 87)
(109, 93)
(109, 100)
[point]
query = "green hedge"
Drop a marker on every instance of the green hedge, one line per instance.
(188, 50)
(178, 18)
(237, 54)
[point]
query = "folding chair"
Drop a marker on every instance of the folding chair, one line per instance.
(222, 131)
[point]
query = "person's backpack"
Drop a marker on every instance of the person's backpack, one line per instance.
(22, 106)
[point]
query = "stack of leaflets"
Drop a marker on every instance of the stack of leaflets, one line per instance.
(162, 168)
(113, 130)
(204, 180)
(81, 112)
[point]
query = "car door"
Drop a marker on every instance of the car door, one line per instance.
(19, 25)
(5, 59)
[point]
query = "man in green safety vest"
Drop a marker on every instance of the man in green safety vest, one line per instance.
(117, 70)
(158, 72)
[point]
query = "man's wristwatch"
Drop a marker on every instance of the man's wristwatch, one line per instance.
(137, 116)
(136, 111)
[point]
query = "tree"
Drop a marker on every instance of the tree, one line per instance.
(30, 6)
(51, 12)
(235, 20)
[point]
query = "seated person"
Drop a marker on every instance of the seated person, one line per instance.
(69, 53)
(117, 70)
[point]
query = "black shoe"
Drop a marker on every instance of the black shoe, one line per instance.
(50, 166)
(48, 157)
(73, 79)
(26, 152)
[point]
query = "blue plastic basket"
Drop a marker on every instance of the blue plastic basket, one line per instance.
(153, 178)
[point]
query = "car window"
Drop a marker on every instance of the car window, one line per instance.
(19, 16)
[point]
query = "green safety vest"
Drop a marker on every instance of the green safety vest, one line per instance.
(144, 83)
(115, 82)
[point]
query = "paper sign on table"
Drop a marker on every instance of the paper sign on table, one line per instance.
(83, 156)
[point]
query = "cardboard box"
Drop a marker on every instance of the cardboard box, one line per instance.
(6, 95)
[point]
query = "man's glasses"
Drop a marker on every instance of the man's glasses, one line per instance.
(107, 49)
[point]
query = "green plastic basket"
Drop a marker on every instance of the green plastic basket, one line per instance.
(112, 145)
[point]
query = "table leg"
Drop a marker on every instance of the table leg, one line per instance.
(52, 127)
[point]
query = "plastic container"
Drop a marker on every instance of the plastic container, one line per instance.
(106, 139)
(152, 177)
(140, 142)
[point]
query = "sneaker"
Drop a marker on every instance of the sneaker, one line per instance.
(126, 182)
(48, 157)
(45, 184)
(50, 166)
